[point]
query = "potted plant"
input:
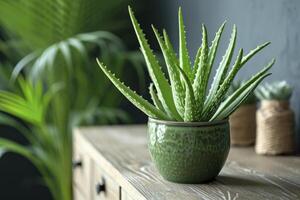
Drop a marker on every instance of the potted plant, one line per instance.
(188, 131)
(275, 119)
(243, 120)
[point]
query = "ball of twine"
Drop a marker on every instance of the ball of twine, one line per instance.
(275, 128)
(243, 125)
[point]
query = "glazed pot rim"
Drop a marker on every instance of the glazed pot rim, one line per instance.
(187, 124)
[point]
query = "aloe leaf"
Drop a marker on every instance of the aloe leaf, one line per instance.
(200, 81)
(170, 46)
(184, 58)
(214, 46)
(222, 69)
(262, 73)
(253, 52)
(217, 99)
(177, 89)
(135, 99)
(190, 113)
(236, 67)
(210, 59)
(196, 62)
(162, 86)
(234, 100)
(154, 98)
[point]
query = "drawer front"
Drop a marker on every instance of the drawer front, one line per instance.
(81, 169)
(78, 195)
(103, 186)
(126, 196)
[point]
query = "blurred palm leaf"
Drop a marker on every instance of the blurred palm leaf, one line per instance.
(41, 23)
(59, 49)
(6, 69)
(52, 158)
(70, 62)
(59, 40)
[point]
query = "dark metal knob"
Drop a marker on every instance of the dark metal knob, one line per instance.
(100, 187)
(77, 164)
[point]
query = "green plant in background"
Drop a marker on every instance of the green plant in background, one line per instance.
(251, 99)
(184, 99)
(47, 147)
(5, 73)
(280, 91)
(62, 48)
(66, 62)
(40, 23)
(9, 54)
(55, 42)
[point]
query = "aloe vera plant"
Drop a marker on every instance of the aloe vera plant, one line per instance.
(186, 96)
(279, 90)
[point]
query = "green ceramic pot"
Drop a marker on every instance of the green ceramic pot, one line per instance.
(188, 152)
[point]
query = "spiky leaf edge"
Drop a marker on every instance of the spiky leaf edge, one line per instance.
(222, 69)
(135, 99)
(230, 104)
(162, 86)
(234, 100)
(174, 75)
(191, 111)
(154, 98)
(199, 82)
(184, 58)
(220, 95)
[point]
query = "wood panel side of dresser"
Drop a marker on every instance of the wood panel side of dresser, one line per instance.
(108, 168)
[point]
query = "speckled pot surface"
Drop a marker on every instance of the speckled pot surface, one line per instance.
(192, 152)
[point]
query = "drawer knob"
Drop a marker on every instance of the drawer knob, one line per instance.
(77, 164)
(100, 187)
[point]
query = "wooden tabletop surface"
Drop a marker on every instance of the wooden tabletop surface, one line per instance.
(245, 175)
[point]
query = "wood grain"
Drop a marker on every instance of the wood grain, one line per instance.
(122, 153)
(126, 196)
(112, 189)
(81, 174)
(78, 194)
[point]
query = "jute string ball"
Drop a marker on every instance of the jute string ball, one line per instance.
(275, 128)
(243, 125)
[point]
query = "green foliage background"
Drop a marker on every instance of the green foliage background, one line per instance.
(53, 45)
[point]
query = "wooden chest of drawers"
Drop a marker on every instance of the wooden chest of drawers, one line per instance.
(113, 163)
